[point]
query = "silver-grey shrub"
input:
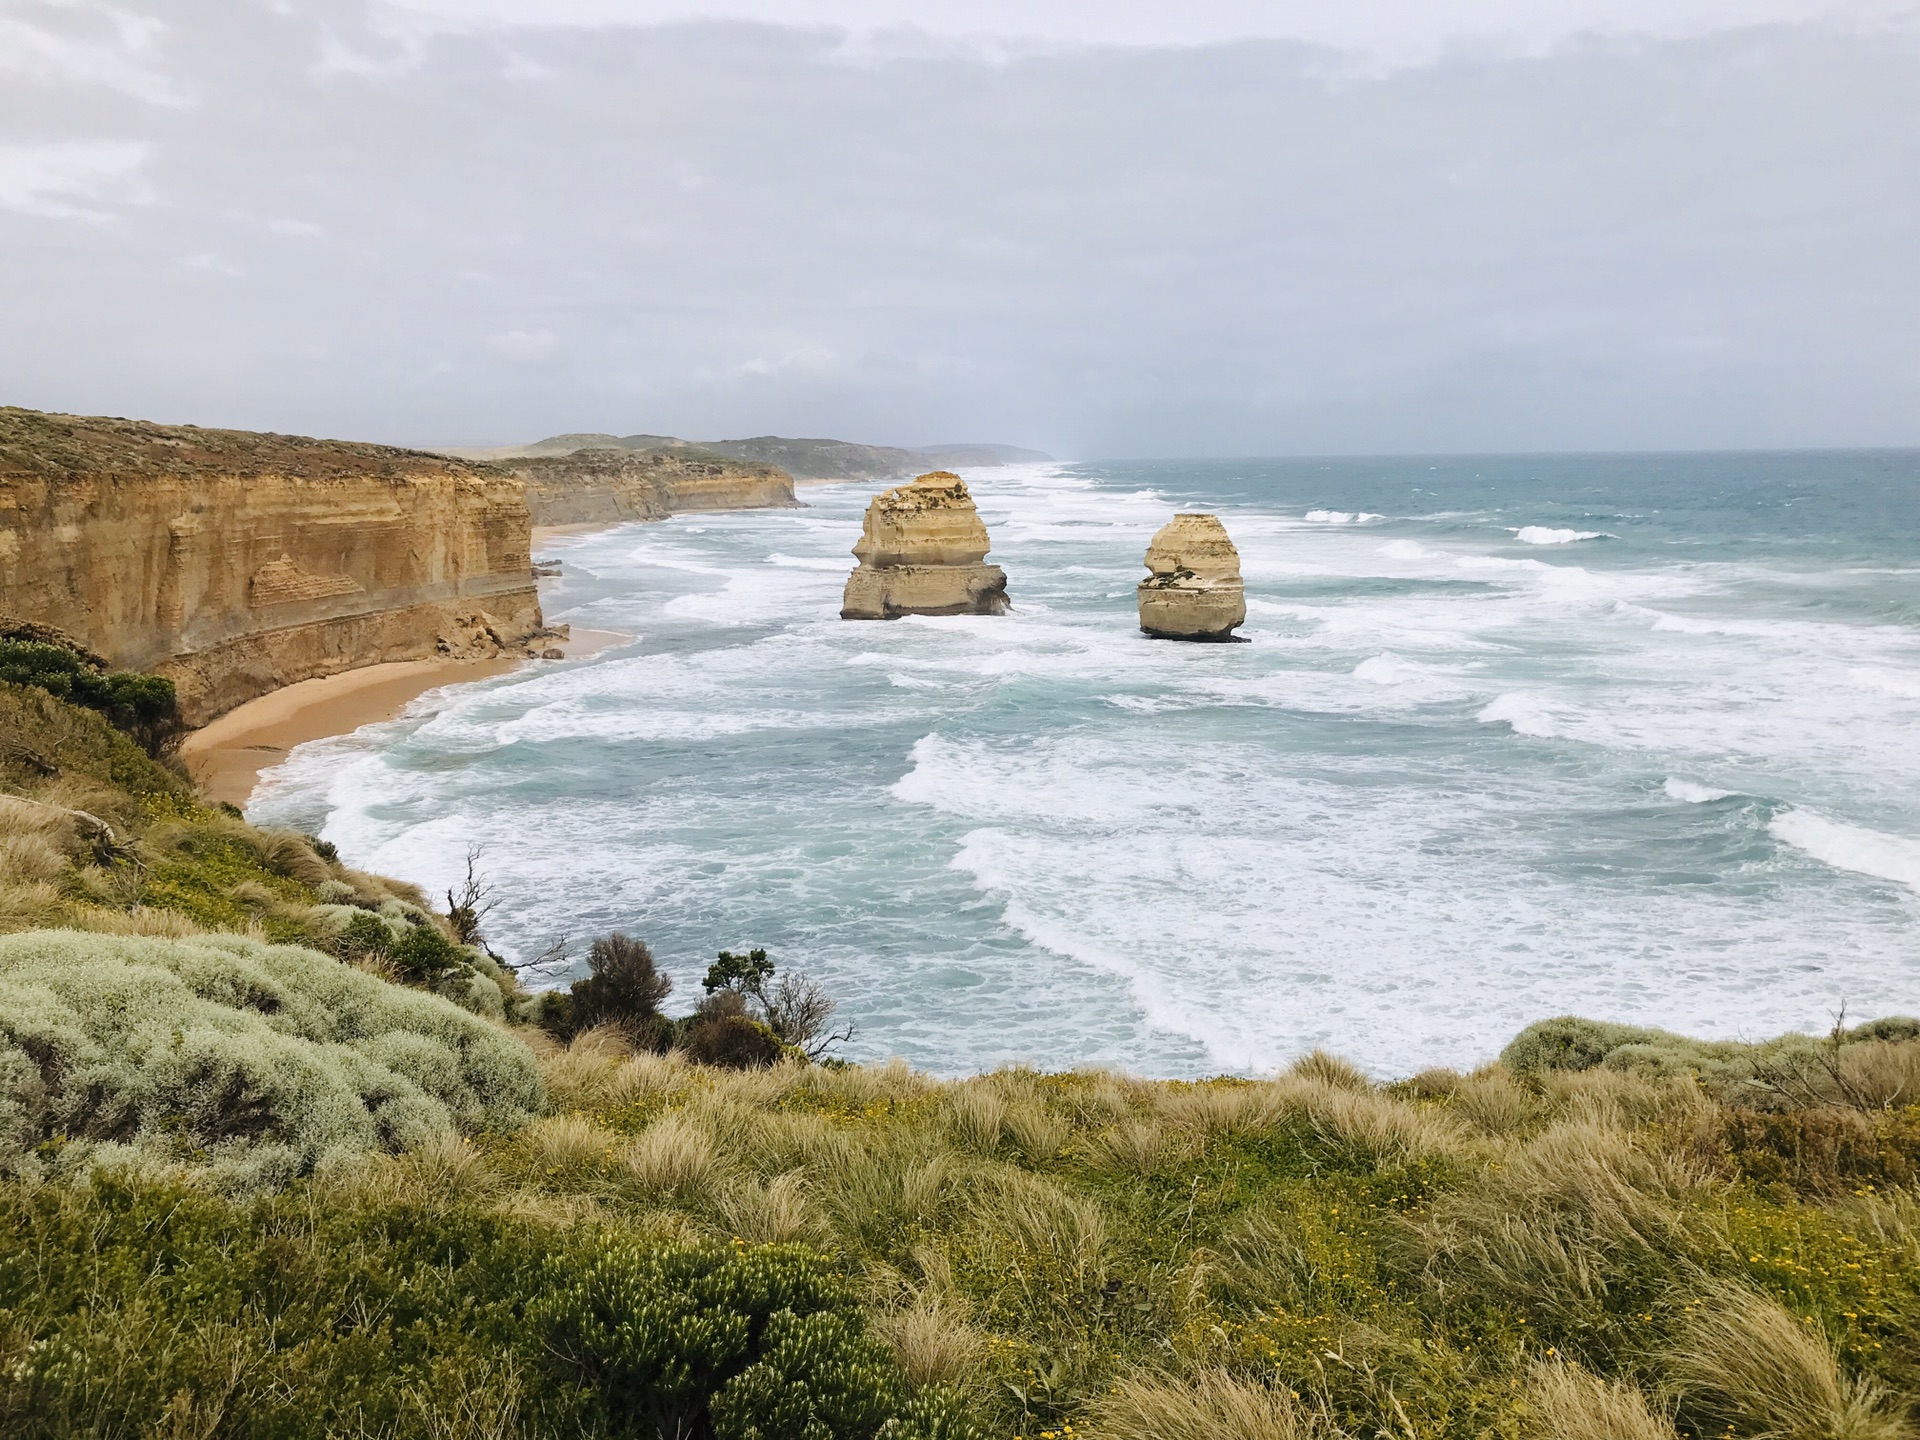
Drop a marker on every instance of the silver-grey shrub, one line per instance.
(251, 1063)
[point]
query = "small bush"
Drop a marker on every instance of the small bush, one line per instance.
(624, 989)
(730, 1041)
(143, 706)
(758, 1345)
(255, 1062)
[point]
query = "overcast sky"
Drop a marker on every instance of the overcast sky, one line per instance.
(1094, 226)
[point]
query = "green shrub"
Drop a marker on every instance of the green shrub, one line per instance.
(1569, 1043)
(731, 1041)
(254, 1062)
(624, 989)
(144, 706)
(41, 737)
(763, 1344)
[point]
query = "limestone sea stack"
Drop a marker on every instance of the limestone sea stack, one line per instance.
(1194, 592)
(921, 553)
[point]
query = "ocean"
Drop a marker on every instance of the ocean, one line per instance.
(1631, 737)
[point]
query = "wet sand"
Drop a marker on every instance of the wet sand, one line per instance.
(226, 757)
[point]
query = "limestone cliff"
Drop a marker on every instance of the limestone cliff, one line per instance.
(604, 487)
(235, 563)
(920, 553)
(1195, 591)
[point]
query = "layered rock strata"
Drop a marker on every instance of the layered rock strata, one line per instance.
(235, 563)
(1195, 591)
(605, 487)
(921, 552)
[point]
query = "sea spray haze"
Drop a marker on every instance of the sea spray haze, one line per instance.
(1620, 736)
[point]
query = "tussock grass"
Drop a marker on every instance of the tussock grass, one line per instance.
(933, 1344)
(977, 1116)
(1214, 1405)
(672, 1159)
(1565, 1402)
(342, 1214)
(1321, 1068)
(1576, 1228)
(773, 1212)
(571, 1145)
(1747, 1365)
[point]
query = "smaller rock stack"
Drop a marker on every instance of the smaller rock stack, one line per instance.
(921, 553)
(1194, 592)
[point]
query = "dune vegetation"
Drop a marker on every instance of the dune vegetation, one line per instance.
(285, 1152)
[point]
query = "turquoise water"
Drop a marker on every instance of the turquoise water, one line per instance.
(1635, 737)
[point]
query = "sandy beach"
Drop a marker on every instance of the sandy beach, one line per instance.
(226, 757)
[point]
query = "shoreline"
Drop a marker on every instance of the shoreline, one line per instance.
(226, 756)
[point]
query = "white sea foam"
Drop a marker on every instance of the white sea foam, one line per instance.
(1850, 847)
(1527, 714)
(1691, 793)
(1338, 517)
(1042, 836)
(1546, 535)
(1904, 683)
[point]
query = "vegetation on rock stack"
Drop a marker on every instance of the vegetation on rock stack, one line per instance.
(252, 1184)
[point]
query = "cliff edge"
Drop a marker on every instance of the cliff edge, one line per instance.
(235, 563)
(606, 486)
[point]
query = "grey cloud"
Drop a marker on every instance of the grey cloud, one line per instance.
(1224, 248)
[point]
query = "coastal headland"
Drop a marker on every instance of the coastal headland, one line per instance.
(236, 564)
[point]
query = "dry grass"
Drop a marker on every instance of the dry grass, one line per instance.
(1493, 1103)
(1134, 1147)
(570, 1145)
(976, 1116)
(1748, 1365)
(672, 1158)
(1322, 1068)
(1569, 1218)
(1036, 1132)
(138, 920)
(30, 906)
(1565, 1402)
(934, 1345)
(774, 1212)
(288, 853)
(1377, 1129)
(1214, 1406)
(1882, 1074)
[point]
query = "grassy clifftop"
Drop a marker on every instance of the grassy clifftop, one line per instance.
(49, 446)
(256, 1179)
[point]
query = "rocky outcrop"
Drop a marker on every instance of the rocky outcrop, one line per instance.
(1195, 591)
(921, 553)
(605, 487)
(235, 563)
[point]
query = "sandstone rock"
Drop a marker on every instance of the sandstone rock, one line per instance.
(1195, 591)
(921, 553)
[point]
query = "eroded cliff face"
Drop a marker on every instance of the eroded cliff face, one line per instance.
(921, 551)
(604, 487)
(235, 563)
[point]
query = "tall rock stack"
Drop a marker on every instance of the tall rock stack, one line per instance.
(1195, 591)
(921, 553)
